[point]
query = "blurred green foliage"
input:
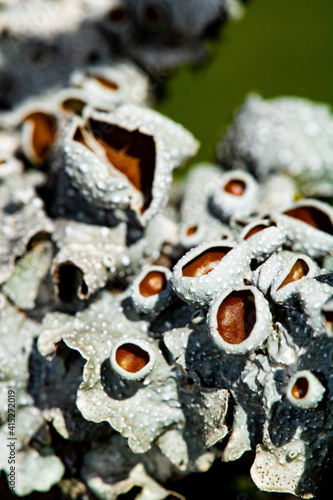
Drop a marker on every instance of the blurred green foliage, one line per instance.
(279, 47)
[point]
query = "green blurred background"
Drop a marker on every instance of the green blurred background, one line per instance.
(279, 47)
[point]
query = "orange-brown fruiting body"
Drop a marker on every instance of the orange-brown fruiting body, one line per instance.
(191, 230)
(300, 388)
(298, 271)
(132, 153)
(255, 230)
(106, 83)
(205, 263)
(312, 216)
(43, 135)
(153, 283)
(236, 317)
(235, 187)
(131, 358)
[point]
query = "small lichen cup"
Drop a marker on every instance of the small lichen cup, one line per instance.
(132, 359)
(239, 320)
(305, 390)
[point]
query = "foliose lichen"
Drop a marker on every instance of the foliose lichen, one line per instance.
(152, 333)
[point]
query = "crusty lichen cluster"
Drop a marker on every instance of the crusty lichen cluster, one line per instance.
(150, 329)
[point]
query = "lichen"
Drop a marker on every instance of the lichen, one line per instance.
(148, 332)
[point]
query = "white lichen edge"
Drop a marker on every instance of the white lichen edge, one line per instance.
(124, 374)
(259, 332)
(315, 391)
(153, 303)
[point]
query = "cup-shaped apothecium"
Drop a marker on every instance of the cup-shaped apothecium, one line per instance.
(132, 358)
(305, 390)
(153, 283)
(192, 233)
(152, 290)
(111, 85)
(210, 268)
(205, 262)
(264, 237)
(309, 227)
(236, 195)
(297, 267)
(239, 320)
(255, 228)
(205, 229)
(197, 223)
(311, 215)
(297, 272)
(125, 158)
(38, 135)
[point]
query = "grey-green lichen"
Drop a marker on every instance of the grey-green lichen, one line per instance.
(159, 342)
(149, 332)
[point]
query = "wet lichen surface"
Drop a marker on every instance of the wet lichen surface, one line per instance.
(159, 337)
